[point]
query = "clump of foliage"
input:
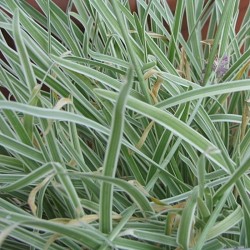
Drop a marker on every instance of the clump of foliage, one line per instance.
(119, 133)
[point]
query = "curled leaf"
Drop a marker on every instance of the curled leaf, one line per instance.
(144, 135)
(32, 195)
(60, 104)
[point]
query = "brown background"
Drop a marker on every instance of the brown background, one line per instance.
(243, 7)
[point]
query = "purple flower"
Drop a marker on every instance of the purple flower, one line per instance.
(221, 66)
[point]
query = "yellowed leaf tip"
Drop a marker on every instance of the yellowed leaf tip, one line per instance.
(34, 191)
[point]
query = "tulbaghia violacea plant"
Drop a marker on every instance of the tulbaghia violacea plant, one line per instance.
(89, 160)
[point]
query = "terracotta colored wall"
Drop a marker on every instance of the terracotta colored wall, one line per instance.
(62, 3)
(172, 3)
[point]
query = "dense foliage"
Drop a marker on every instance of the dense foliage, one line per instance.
(118, 132)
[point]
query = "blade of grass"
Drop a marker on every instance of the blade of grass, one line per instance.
(23, 54)
(112, 154)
